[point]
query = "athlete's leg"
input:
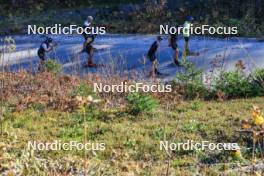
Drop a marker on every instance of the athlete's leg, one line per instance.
(176, 57)
(156, 66)
(85, 42)
(186, 45)
(42, 61)
(153, 68)
(91, 52)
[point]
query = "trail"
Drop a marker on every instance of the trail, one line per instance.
(127, 52)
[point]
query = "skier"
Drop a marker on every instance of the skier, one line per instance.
(186, 34)
(173, 44)
(90, 50)
(45, 46)
(87, 23)
(153, 58)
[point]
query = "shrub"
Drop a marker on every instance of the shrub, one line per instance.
(235, 84)
(83, 90)
(92, 110)
(52, 66)
(258, 77)
(192, 82)
(139, 103)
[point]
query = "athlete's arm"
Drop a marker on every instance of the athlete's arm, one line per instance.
(46, 48)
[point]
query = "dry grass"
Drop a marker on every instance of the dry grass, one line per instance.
(43, 108)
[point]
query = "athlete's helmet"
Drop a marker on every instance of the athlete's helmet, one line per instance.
(90, 18)
(189, 18)
(49, 39)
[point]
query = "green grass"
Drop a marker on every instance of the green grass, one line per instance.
(132, 145)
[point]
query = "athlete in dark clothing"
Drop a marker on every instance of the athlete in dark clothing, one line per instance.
(153, 58)
(90, 50)
(173, 44)
(45, 46)
(152, 51)
(87, 23)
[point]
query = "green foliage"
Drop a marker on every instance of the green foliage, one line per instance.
(191, 80)
(9, 7)
(139, 140)
(242, 25)
(236, 84)
(91, 111)
(139, 103)
(38, 107)
(258, 77)
(5, 114)
(83, 90)
(157, 12)
(195, 105)
(52, 66)
(158, 133)
(192, 126)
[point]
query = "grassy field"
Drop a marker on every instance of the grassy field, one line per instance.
(132, 142)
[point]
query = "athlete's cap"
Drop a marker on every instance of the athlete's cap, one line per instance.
(189, 18)
(90, 18)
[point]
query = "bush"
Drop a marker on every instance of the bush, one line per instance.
(258, 77)
(192, 82)
(83, 90)
(52, 66)
(139, 103)
(92, 110)
(236, 84)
